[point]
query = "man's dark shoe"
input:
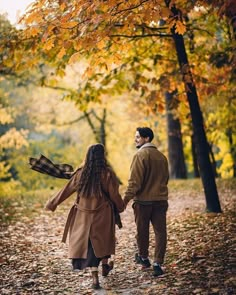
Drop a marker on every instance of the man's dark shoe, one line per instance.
(96, 286)
(157, 271)
(144, 262)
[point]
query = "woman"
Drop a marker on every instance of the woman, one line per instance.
(91, 223)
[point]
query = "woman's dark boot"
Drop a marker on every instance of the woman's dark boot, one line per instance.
(106, 268)
(95, 284)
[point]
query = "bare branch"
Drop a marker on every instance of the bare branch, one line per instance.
(74, 121)
(130, 8)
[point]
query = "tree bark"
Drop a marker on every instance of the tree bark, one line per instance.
(175, 144)
(99, 132)
(213, 160)
(229, 134)
(196, 173)
(202, 150)
(230, 12)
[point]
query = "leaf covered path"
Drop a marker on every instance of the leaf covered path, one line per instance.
(200, 255)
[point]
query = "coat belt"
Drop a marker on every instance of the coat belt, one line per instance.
(72, 214)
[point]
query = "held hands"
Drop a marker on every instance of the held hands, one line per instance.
(125, 203)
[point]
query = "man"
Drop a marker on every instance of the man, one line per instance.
(147, 187)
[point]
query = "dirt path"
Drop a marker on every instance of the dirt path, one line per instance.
(34, 261)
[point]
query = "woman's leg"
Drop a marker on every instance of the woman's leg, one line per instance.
(94, 271)
(106, 267)
(105, 261)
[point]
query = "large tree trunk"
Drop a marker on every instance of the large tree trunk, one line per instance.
(202, 150)
(213, 160)
(194, 156)
(175, 144)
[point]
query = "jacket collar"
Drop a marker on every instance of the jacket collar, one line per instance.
(148, 144)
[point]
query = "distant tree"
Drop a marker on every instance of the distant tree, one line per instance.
(175, 144)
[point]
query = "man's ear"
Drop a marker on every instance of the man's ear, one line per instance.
(146, 139)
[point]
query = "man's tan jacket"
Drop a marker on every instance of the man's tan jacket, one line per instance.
(149, 175)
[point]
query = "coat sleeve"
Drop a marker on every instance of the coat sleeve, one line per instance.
(137, 169)
(113, 190)
(63, 194)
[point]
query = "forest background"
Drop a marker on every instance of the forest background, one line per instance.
(68, 80)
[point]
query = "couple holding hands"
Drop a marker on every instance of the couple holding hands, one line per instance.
(91, 224)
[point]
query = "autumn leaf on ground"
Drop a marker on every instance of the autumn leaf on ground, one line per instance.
(199, 258)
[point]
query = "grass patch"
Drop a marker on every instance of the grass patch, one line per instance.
(195, 185)
(14, 206)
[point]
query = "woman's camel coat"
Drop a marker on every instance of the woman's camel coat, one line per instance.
(90, 218)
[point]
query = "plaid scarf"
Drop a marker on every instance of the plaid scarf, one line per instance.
(46, 166)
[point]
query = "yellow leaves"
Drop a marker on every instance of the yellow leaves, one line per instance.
(13, 139)
(34, 31)
(225, 169)
(117, 58)
(66, 18)
(152, 101)
(165, 12)
(180, 28)
(63, 6)
(5, 117)
(51, 29)
(60, 72)
(88, 72)
(61, 53)
(101, 44)
(76, 45)
(33, 17)
(4, 170)
(74, 58)
(70, 25)
(177, 24)
(49, 44)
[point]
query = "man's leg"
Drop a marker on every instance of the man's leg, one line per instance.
(158, 220)
(142, 215)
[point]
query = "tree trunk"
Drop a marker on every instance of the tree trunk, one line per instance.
(202, 150)
(100, 131)
(230, 12)
(213, 160)
(175, 144)
(229, 134)
(194, 156)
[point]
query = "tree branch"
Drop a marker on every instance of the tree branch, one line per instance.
(74, 121)
(130, 8)
(142, 36)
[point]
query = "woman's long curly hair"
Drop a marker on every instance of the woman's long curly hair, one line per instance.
(95, 163)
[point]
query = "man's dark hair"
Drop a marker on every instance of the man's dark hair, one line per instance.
(146, 132)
